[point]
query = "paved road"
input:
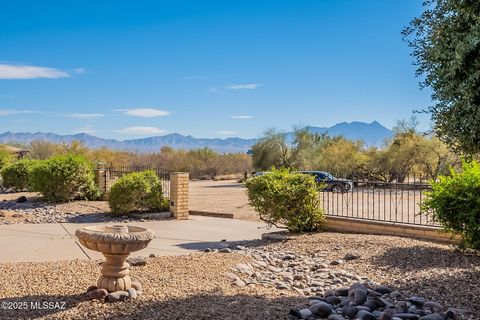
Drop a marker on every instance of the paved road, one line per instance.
(51, 242)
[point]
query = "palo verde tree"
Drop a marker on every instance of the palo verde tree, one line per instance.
(272, 150)
(446, 47)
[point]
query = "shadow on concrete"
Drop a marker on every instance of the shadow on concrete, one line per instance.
(109, 217)
(201, 246)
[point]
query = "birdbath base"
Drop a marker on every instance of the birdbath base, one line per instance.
(115, 242)
(115, 273)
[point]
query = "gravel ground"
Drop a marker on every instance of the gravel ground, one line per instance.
(434, 271)
(196, 287)
(34, 210)
(185, 287)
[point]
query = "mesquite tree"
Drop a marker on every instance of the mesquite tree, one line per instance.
(446, 47)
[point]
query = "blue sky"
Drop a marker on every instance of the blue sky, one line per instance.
(129, 69)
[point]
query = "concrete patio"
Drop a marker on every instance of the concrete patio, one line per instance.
(52, 242)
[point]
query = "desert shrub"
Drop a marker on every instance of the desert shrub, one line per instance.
(64, 178)
(6, 157)
(454, 202)
(286, 198)
(137, 191)
(16, 175)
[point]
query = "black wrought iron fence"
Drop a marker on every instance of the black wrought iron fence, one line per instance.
(377, 200)
(112, 173)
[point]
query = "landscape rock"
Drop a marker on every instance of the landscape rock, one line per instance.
(365, 315)
(117, 296)
(231, 276)
(383, 290)
(225, 250)
(321, 309)
(132, 293)
(239, 283)
(433, 316)
(282, 286)
(434, 306)
(406, 316)
(21, 199)
(137, 286)
(91, 288)
(359, 296)
(305, 313)
(137, 261)
(417, 301)
(97, 294)
(367, 301)
(351, 256)
(342, 292)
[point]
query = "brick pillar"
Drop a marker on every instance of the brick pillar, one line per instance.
(179, 195)
(102, 179)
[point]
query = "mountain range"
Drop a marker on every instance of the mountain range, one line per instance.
(373, 134)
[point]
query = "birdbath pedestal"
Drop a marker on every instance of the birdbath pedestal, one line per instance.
(115, 242)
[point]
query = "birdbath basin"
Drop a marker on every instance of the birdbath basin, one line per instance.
(115, 242)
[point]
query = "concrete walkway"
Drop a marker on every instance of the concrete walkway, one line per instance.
(57, 241)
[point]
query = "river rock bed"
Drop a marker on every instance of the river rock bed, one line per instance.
(304, 274)
(333, 293)
(363, 301)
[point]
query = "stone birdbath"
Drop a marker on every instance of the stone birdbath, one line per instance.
(115, 242)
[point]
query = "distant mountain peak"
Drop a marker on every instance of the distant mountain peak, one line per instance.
(373, 134)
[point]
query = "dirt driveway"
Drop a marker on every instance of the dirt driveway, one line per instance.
(230, 196)
(226, 196)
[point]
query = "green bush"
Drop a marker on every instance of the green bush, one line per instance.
(64, 178)
(137, 191)
(6, 157)
(454, 202)
(286, 198)
(16, 175)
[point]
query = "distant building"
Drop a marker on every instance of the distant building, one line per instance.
(20, 153)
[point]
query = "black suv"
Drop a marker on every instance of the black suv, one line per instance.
(333, 184)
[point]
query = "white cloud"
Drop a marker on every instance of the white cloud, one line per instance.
(79, 70)
(85, 116)
(141, 130)
(226, 132)
(8, 112)
(11, 71)
(144, 112)
(242, 117)
(86, 129)
(246, 86)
